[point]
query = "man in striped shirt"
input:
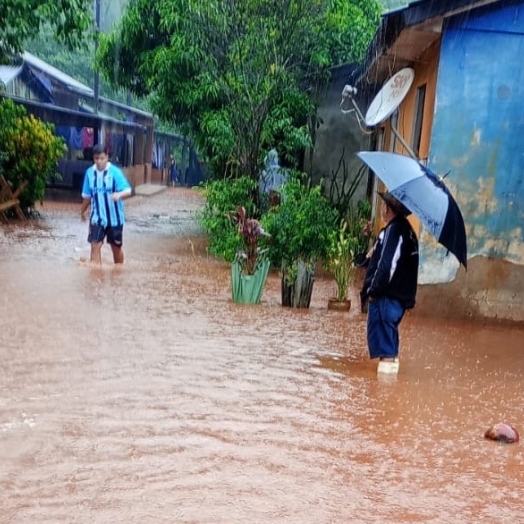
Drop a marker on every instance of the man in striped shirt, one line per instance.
(390, 285)
(105, 186)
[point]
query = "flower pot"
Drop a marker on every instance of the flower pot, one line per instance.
(334, 304)
(298, 294)
(247, 289)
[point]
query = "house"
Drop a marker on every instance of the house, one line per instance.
(55, 97)
(464, 114)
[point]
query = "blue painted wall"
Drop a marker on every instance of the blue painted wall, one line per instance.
(478, 131)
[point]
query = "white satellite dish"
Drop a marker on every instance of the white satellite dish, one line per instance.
(389, 97)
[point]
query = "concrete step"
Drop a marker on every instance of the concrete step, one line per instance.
(149, 189)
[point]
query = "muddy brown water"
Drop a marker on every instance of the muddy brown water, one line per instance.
(141, 394)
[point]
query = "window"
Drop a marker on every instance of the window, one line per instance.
(419, 116)
(393, 137)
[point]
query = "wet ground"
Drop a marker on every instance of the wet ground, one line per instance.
(141, 394)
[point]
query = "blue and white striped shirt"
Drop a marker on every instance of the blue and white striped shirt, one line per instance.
(99, 186)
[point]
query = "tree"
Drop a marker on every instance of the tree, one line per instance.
(22, 19)
(238, 76)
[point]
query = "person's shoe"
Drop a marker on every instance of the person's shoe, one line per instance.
(388, 366)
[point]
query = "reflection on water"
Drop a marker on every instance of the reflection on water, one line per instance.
(142, 394)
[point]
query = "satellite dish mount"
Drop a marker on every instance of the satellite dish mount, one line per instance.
(385, 102)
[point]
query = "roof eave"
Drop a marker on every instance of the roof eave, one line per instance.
(393, 23)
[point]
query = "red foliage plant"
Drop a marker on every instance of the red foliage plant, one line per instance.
(251, 232)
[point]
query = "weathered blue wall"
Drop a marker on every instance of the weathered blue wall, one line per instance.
(478, 135)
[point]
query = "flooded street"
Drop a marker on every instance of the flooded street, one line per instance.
(141, 394)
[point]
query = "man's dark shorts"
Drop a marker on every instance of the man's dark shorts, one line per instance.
(114, 235)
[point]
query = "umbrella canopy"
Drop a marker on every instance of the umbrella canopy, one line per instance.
(425, 195)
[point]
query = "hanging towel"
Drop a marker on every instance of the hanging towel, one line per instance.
(75, 139)
(64, 132)
(87, 137)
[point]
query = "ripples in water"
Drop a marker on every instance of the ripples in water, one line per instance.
(142, 394)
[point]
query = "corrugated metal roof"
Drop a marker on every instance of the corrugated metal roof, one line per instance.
(91, 110)
(124, 107)
(69, 117)
(50, 71)
(44, 72)
(7, 73)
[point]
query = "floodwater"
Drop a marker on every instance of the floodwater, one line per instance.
(141, 394)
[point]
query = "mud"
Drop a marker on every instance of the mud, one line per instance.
(141, 394)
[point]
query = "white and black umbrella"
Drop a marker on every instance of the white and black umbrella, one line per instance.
(425, 195)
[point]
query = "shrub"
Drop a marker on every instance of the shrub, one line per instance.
(300, 227)
(224, 197)
(31, 151)
(361, 226)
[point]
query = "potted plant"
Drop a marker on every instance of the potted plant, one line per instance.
(250, 268)
(300, 228)
(340, 263)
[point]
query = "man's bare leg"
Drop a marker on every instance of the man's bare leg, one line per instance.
(96, 253)
(118, 254)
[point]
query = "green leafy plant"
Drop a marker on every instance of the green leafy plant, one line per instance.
(300, 227)
(340, 258)
(223, 197)
(361, 226)
(31, 151)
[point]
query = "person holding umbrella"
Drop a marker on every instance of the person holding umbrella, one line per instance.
(390, 285)
(391, 280)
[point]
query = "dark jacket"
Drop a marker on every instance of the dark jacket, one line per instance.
(393, 268)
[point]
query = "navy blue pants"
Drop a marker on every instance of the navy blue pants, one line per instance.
(384, 316)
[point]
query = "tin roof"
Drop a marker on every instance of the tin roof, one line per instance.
(72, 84)
(7, 73)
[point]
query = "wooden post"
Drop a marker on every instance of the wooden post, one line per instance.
(9, 199)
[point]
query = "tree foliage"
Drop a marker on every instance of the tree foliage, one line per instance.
(300, 226)
(30, 149)
(239, 76)
(22, 19)
(223, 198)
